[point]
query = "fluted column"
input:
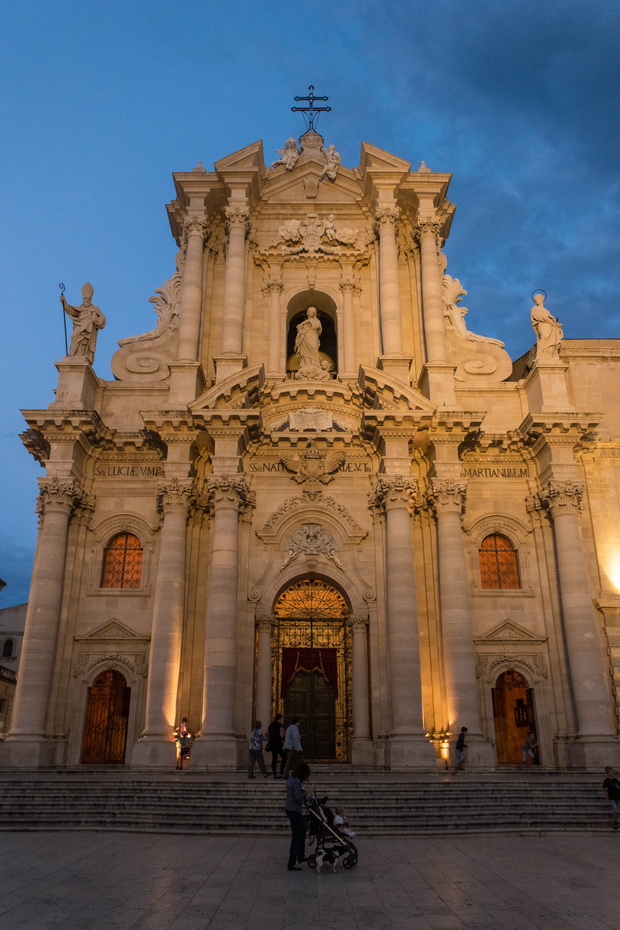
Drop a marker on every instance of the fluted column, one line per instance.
(348, 288)
(360, 696)
(408, 748)
(589, 671)
(234, 281)
(389, 287)
(228, 495)
(432, 299)
(155, 746)
(459, 657)
(263, 670)
(196, 229)
(57, 499)
(273, 289)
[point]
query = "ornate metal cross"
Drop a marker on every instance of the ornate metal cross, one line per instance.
(311, 118)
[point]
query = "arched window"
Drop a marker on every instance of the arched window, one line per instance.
(7, 649)
(498, 563)
(122, 562)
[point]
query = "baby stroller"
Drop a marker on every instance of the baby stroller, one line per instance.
(330, 844)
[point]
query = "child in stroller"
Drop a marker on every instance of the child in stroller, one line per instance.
(331, 845)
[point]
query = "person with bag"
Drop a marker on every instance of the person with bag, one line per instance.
(274, 745)
(257, 738)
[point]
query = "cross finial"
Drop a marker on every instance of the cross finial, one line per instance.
(311, 119)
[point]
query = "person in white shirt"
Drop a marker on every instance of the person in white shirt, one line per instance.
(292, 746)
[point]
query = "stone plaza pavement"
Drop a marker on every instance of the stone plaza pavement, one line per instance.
(118, 881)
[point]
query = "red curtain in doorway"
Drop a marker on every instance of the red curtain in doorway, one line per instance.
(309, 660)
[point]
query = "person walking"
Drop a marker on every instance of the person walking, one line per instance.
(528, 753)
(275, 745)
(257, 738)
(292, 746)
(459, 751)
(296, 796)
(611, 785)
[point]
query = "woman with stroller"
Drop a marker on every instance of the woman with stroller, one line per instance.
(296, 795)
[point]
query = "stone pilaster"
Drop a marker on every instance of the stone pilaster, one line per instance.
(27, 744)
(408, 747)
(273, 290)
(447, 498)
(439, 374)
(155, 748)
(262, 696)
(228, 497)
(196, 230)
(233, 315)
(362, 752)
(596, 738)
(348, 289)
(389, 287)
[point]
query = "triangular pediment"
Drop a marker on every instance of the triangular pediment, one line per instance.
(376, 159)
(305, 185)
(246, 159)
(113, 629)
(509, 632)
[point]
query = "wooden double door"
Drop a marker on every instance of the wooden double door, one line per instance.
(107, 714)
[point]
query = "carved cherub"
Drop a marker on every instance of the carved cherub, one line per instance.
(288, 155)
(333, 160)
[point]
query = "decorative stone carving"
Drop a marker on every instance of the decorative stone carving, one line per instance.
(175, 497)
(288, 155)
(58, 496)
(447, 496)
(149, 354)
(237, 216)
(474, 356)
(195, 225)
(311, 539)
(231, 489)
(87, 321)
(311, 366)
(333, 159)
(562, 497)
(358, 624)
(548, 331)
(398, 491)
(299, 502)
(36, 444)
(306, 236)
(387, 217)
(310, 418)
(86, 663)
(312, 467)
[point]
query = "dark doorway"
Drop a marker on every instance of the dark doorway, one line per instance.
(311, 698)
(105, 727)
(514, 717)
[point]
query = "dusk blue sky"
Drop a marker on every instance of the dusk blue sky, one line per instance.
(103, 100)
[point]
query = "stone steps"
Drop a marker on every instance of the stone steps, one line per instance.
(375, 805)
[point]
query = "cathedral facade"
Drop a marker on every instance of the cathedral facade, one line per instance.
(312, 490)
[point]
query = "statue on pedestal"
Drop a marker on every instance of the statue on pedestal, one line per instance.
(87, 320)
(311, 366)
(548, 331)
(288, 155)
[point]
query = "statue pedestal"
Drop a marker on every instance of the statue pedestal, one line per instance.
(437, 383)
(77, 384)
(227, 365)
(397, 368)
(546, 387)
(187, 381)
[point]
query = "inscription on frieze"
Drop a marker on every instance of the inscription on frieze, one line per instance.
(127, 470)
(494, 471)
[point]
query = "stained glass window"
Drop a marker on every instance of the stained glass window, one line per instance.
(122, 562)
(498, 563)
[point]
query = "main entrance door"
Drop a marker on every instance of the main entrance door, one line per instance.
(105, 727)
(312, 660)
(514, 717)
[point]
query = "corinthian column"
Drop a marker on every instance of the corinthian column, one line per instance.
(389, 288)
(408, 748)
(348, 288)
(432, 299)
(217, 748)
(588, 669)
(273, 289)
(234, 281)
(196, 229)
(263, 670)
(155, 746)
(57, 499)
(459, 656)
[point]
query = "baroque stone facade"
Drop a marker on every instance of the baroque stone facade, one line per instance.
(312, 490)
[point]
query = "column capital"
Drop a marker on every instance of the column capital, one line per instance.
(347, 284)
(58, 496)
(272, 285)
(226, 492)
(175, 497)
(427, 226)
(395, 493)
(386, 217)
(562, 497)
(264, 624)
(196, 226)
(358, 624)
(237, 217)
(446, 496)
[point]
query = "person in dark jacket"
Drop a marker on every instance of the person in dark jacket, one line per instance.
(296, 795)
(274, 746)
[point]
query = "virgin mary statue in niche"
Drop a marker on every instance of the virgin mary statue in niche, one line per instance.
(311, 366)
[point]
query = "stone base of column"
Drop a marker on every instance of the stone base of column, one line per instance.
(227, 365)
(19, 753)
(154, 753)
(77, 384)
(187, 381)
(363, 752)
(215, 754)
(410, 752)
(437, 383)
(594, 752)
(397, 368)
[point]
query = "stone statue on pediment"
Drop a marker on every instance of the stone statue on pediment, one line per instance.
(333, 159)
(548, 331)
(87, 321)
(288, 155)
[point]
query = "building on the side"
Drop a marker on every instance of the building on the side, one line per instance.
(312, 490)
(12, 621)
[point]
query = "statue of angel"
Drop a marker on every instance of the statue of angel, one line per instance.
(333, 160)
(288, 155)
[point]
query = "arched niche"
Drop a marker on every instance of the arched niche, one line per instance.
(326, 311)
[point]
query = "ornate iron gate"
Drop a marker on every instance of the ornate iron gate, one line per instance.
(311, 661)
